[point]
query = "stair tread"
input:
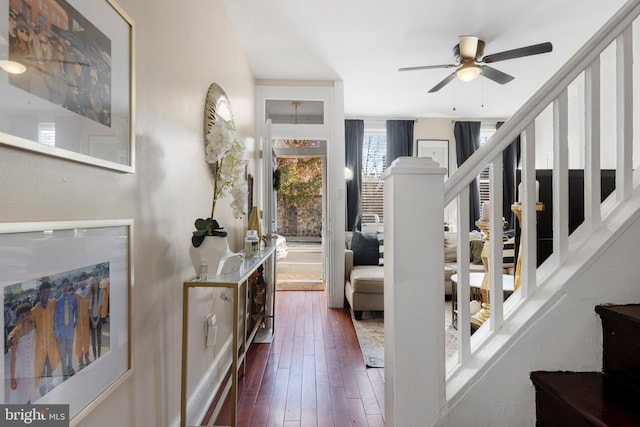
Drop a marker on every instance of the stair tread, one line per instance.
(599, 399)
(628, 311)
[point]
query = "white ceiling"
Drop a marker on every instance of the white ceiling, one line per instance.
(364, 42)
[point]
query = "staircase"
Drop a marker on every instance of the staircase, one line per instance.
(548, 322)
(607, 398)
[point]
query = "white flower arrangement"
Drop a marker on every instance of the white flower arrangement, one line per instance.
(225, 154)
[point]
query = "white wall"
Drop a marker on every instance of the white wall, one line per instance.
(440, 129)
(576, 125)
(437, 129)
(180, 50)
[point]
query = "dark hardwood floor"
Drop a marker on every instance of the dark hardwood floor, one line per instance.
(313, 373)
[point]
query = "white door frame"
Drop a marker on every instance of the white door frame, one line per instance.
(331, 131)
(317, 152)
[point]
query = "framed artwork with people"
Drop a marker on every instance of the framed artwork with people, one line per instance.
(69, 82)
(66, 293)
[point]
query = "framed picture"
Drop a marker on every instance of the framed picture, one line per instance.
(66, 292)
(66, 80)
(437, 149)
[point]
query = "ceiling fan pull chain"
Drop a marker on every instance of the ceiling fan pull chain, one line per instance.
(482, 93)
(454, 97)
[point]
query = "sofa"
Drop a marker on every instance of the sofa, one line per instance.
(364, 274)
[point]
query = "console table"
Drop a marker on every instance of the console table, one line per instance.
(247, 327)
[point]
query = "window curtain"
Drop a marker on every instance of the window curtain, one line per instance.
(510, 161)
(353, 140)
(467, 136)
(399, 139)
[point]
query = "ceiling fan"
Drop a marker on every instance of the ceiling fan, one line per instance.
(470, 61)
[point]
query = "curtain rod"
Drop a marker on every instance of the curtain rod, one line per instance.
(379, 119)
(490, 119)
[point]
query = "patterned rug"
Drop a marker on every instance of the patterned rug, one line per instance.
(370, 332)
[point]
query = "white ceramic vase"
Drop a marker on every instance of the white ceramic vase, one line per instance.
(206, 257)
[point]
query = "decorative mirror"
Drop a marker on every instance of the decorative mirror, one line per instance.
(216, 106)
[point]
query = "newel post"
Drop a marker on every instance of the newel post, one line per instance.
(414, 292)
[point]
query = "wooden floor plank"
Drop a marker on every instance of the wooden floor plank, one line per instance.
(325, 406)
(312, 374)
(340, 406)
(277, 407)
(375, 420)
(357, 417)
(294, 398)
(308, 400)
(309, 418)
(259, 416)
(368, 396)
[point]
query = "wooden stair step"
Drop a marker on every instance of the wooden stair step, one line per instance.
(621, 342)
(628, 312)
(584, 399)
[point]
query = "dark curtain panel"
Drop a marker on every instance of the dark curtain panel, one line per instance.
(353, 140)
(467, 136)
(510, 159)
(399, 139)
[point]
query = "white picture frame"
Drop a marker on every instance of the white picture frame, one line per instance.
(437, 149)
(75, 99)
(34, 253)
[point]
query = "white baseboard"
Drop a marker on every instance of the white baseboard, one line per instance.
(200, 400)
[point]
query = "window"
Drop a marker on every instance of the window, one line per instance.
(47, 134)
(486, 131)
(374, 154)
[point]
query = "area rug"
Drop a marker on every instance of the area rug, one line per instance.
(370, 332)
(299, 285)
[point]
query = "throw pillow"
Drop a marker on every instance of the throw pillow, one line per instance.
(476, 251)
(380, 235)
(508, 253)
(365, 249)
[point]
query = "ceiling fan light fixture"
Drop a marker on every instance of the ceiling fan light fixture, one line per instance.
(468, 46)
(468, 72)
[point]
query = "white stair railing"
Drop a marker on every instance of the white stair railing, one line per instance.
(583, 69)
(582, 73)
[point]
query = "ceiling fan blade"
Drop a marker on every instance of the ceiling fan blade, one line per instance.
(535, 49)
(443, 83)
(426, 67)
(496, 75)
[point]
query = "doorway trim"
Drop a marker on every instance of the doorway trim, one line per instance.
(331, 131)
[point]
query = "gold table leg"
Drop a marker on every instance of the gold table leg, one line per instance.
(485, 312)
(517, 209)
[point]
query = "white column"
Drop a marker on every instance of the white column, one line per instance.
(414, 292)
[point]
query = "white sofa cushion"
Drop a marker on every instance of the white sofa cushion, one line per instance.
(367, 279)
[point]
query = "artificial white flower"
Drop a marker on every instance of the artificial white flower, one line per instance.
(225, 154)
(220, 140)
